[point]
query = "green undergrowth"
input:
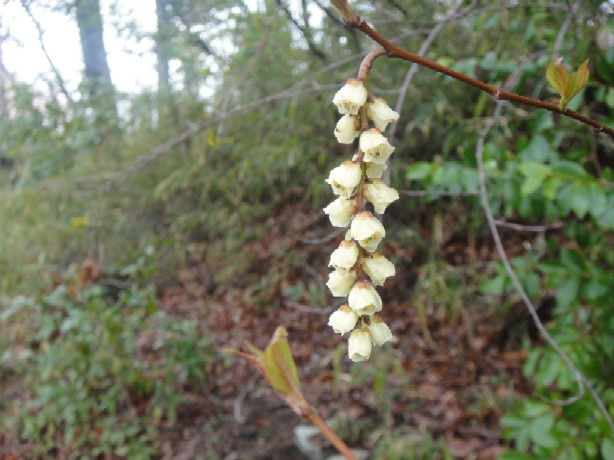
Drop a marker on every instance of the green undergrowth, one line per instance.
(95, 368)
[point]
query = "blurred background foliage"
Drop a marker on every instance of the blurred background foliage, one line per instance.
(240, 130)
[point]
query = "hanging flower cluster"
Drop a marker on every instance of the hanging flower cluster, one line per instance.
(357, 266)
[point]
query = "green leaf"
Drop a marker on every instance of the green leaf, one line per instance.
(551, 187)
(577, 81)
(569, 169)
(494, 285)
(598, 200)
(547, 371)
(420, 170)
(606, 220)
(573, 260)
(538, 150)
(558, 76)
(535, 174)
(607, 449)
(279, 367)
(580, 200)
(567, 293)
(541, 429)
(594, 289)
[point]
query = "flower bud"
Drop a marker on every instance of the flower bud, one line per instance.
(375, 147)
(380, 195)
(380, 332)
(345, 255)
(367, 230)
(351, 97)
(340, 282)
(364, 299)
(340, 212)
(344, 178)
(343, 320)
(381, 114)
(359, 344)
(378, 268)
(346, 131)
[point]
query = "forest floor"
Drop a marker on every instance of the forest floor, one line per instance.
(446, 378)
(441, 386)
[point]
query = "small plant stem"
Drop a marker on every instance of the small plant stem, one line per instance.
(367, 62)
(394, 51)
(314, 418)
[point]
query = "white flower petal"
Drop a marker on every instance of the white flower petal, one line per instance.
(378, 268)
(380, 332)
(344, 178)
(351, 97)
(359, 345)
(343, 320)
(340, 282)
(345, 256)
(374, 146)
(381, 114)
(367, 230)
(380, 195)
(346, 131)
(375, 170)
(340, 211)
(364, 299)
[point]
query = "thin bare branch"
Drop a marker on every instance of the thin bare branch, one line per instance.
(40, 33)
(528, 228)
(580, 377)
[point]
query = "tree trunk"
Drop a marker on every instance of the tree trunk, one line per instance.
(162, 46)
(97, 80)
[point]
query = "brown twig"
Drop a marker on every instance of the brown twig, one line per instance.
(394, 51)
(314, 418)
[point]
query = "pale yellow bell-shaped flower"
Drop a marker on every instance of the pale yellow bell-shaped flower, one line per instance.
(346, 130)
(380, 332)
(341, 211)
(367, 230)
(378, 268)
(344, 178)
(364, 299)
(340, 282)
(374, 146)
(343, 320)
(359, 344)
(381, 114)
(379, 194)
(351, 97)
(345, 256)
